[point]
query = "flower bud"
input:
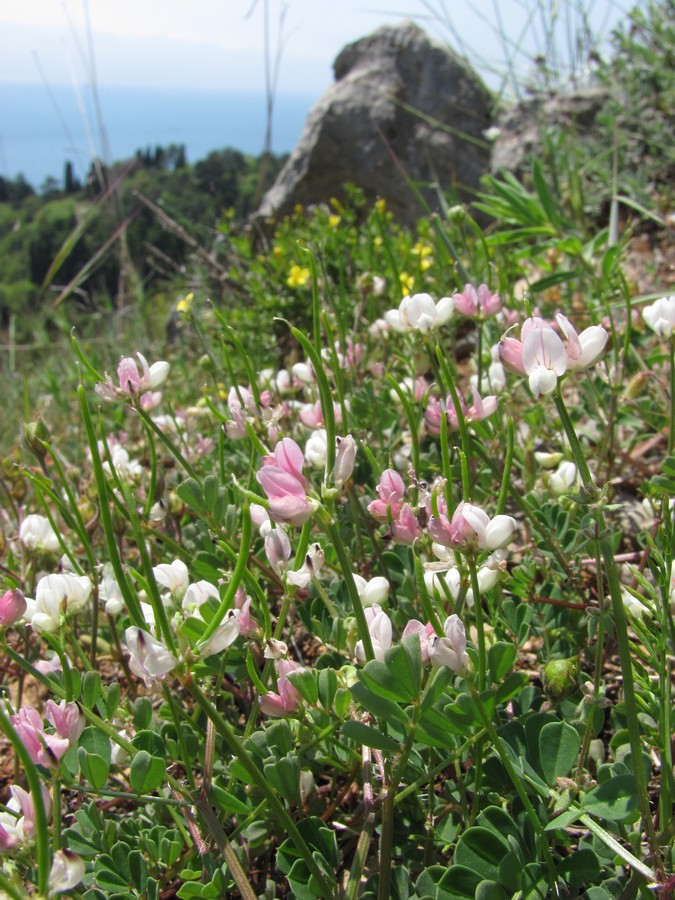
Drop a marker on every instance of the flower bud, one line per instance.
(12, 606)
(561, 678)
(36, 436)
(344, 460)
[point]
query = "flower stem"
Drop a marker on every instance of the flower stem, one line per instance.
(605, 545)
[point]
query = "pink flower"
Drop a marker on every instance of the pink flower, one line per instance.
(247, 624)
(12, 606)
(282, 480)
(405, 528)
(132, 381)
(66, 719)
(287, 699)
(390, 489)
(44, 749)
(471, 528)
(481, 302)
(379, 628)
(425, 634)
(450, 650)
(544, 360)
(480, 409)
(344, 460)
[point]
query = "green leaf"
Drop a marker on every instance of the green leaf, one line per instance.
(284, 776)
(614, 800)
(559, 745)
(481, 850)
(139, 872)
(190, 493)
(150, 741)
(327, 687)
(147, 772)
(580, 867)
(94, 768)
(458, 883)
(305, 683)
(379, 706)
(501, 657)
(91, 688)
(490, 890)
(544, 194)
(228, 802)
(369, 737)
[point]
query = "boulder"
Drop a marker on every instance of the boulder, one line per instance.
(401, 103)
(521, 128)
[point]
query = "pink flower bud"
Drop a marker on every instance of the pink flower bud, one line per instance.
(344, 460)
(12, 606)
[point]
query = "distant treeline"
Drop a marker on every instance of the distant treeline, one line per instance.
(35, 226)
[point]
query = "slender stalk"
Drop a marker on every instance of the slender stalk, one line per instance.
(235, 747)
(606, 548)
(480, 626)
(671, 433)
(237, 575)
(56, 815)
(35, 788)
(517, 782)
(357, 606)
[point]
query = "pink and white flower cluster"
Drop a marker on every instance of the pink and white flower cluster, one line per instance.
(448, 650)
(47, 748)
(282, 480)
(480, 409)
(470, 529)
(390, 507)
(135, 383)
(544, 356)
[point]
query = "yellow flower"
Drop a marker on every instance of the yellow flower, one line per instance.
(184, 304)
(407, 282)
(298, 276)
(333, 221)
(421, 249)
(381, 205)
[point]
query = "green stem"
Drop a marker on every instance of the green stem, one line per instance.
(235, 747)
(517, 782)
(671, 433)
(242, 561)
(605, 545)
(461, 421)
(56, 816)
(357, 606)
(480, 626)
(35, 788)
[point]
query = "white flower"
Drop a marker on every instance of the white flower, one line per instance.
(174, 577)
(371, 592)
(419, 312)
(450, 650)
(36, 533)
(564, 478)
(635, 608)
(315, 448)
(126, 468)
(67, 871)
(660, 316)
(148, 657)
(56, 596)
(311, 567)
(544, 360)
(379, 628)
(109, 591)
(224, 635)
(198, 593)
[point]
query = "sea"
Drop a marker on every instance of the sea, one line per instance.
(44, 126)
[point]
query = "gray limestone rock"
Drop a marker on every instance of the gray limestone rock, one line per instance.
(400, 103)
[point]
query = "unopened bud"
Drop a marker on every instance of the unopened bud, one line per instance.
(561, 678)
(36, 437)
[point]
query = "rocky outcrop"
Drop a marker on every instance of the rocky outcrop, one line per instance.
(402, 106)
(521, 127)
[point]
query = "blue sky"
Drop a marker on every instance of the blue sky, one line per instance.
(220, 43)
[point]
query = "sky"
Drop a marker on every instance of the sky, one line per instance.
(221, 43)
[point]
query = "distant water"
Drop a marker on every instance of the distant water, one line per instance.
(41, 128)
